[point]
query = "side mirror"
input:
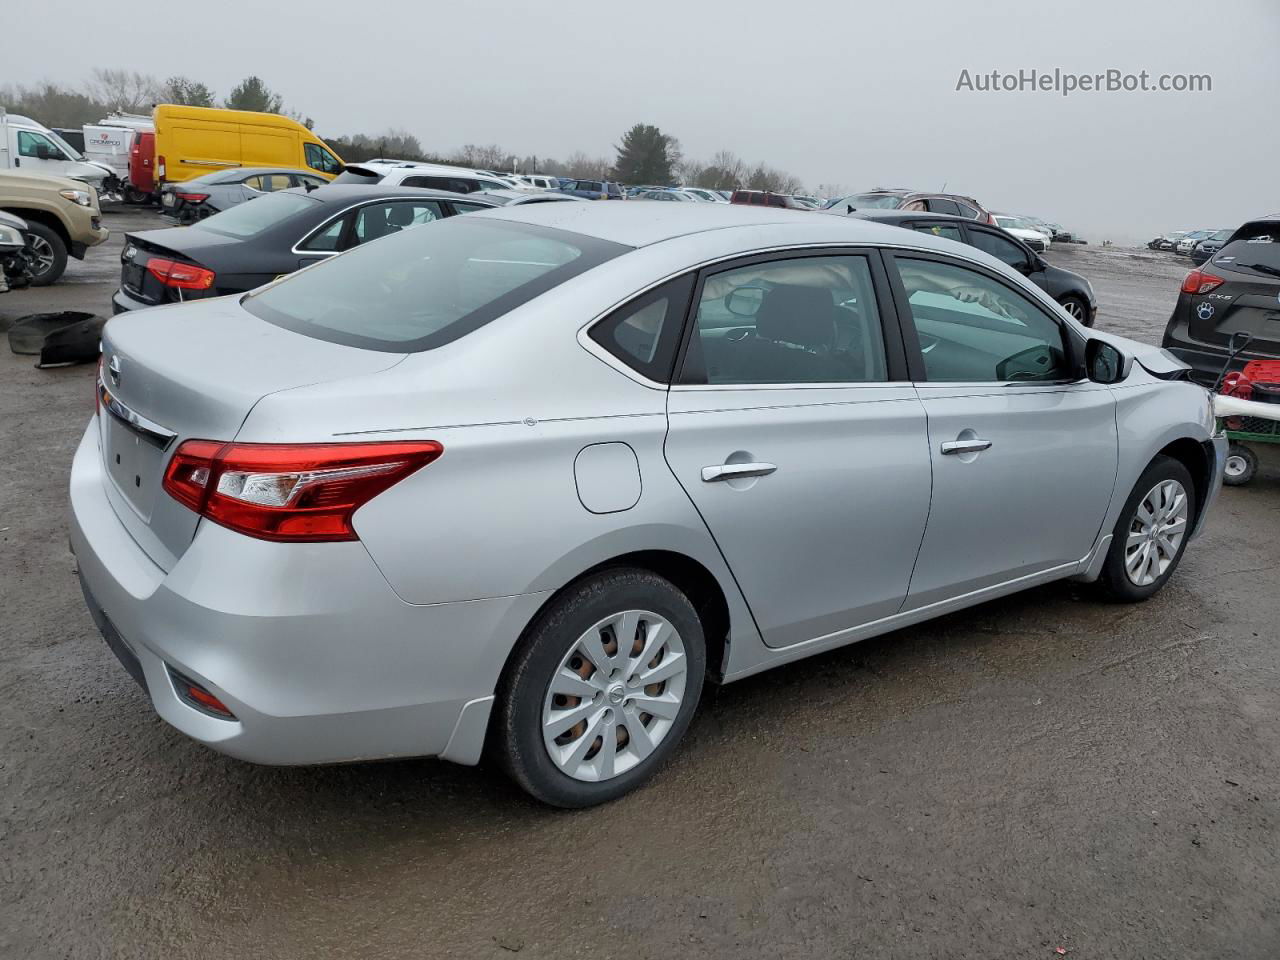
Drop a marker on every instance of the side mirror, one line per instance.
(43, 152)
(1103, 363)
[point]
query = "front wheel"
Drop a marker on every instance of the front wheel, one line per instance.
(1151, 534)
(1241, 465)
(48, 254)
(601, 690)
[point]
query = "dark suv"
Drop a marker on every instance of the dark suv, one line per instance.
(765, 198)
(594, 190)
(1072, 291)
(913, 201)
(1236, 290)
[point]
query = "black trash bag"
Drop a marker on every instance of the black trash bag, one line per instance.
(70, 336)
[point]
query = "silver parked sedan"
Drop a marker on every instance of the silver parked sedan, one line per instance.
(522, 480)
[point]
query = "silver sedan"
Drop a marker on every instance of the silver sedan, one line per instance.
(523, 481)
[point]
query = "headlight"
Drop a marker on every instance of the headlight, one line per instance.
(82, 197)
(9, 236)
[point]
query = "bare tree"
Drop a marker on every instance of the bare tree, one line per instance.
(488, 157)
(830, 190)
(124, 91)
(52, 104)
(583, 167)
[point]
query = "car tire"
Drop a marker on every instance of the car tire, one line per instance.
(1241, 465)
(529, 712)
(50, 253)
(1078, 309)
(1131, 573)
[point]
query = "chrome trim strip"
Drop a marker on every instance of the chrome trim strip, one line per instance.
(148, 429)
(210, 163)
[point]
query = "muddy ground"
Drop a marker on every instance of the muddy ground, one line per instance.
(1040, 772)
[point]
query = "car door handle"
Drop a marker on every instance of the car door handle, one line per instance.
(965, 446)
(735, 471)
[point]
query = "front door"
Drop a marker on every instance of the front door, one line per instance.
(795, 433)
(1023, 453)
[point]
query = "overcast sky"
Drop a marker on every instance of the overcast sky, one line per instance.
(833, 91)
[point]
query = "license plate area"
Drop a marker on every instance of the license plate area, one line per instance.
(133, 452)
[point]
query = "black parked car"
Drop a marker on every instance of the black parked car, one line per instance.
(1237, 290)
(1210, 245)
(1070, 289)
(253, 243)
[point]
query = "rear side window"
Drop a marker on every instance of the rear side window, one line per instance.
(942, 205)
(645, 334)
(968, 211)
(250, 219)
(1002, 248)
(948, 230)
(420, 289)
(799, 320)
(1257, 250)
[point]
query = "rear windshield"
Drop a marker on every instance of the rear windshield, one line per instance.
(423, 288)
(358, 175)
(1256, 251)
(262, 213)
(873, 201)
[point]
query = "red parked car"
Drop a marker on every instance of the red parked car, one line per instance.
(763, 198)
(142, 168)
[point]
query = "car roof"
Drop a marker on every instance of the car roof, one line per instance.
(901, 215)
(354, 192)
(642, 224)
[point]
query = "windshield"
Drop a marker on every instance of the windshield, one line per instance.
(252, 218)
(420, 289)
(67, 148)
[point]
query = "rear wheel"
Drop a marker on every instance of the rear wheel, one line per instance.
(48, 252)
(1241, 465)
(1151, 534)
(601, 690)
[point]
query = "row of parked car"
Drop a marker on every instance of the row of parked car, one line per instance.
(1199, 245)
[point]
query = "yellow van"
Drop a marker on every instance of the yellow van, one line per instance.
(193, 141)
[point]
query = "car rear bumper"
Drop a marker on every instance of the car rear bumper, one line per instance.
(306, 644)
(122, 302)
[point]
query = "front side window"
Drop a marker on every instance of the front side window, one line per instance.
(29, 145)
(801, 320)
(318, 158)
(975, 329)
(1002, 248)
(420, 289)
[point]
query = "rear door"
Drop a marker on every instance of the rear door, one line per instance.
(1023, 454)
(795, 433)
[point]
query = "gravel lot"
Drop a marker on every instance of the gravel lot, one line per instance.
(1040, 772)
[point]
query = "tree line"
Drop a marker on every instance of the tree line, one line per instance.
(644, 154)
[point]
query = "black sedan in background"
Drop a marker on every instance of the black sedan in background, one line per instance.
(1210, 245)
(1071, 290)
(1236, 291)
(255, 242)
(204, 196)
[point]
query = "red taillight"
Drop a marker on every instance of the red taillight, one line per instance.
(183, 276)
(193, 197)
(286, 491)
(1197, 281)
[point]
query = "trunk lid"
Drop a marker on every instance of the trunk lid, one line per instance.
(195, 372)
(181, 244)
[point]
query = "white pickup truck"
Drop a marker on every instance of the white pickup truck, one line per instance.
(30, 147)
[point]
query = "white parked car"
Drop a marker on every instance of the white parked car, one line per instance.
(539, 181)
(1021, 228)
(710, 196)
(433, 176)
